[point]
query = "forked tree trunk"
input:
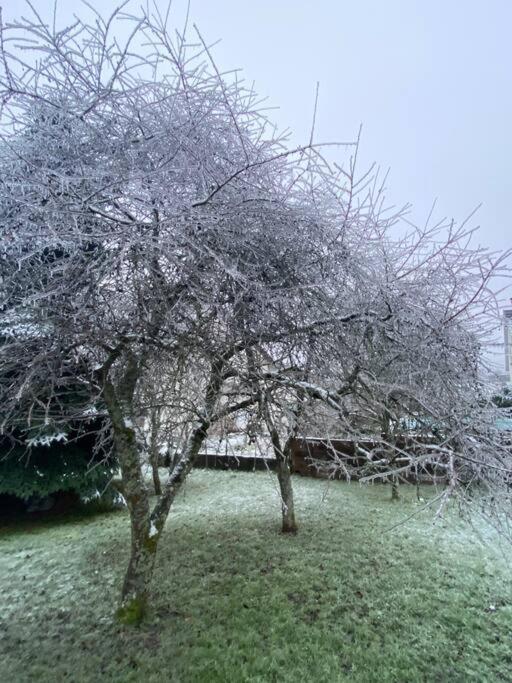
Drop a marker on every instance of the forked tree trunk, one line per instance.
(147, 525)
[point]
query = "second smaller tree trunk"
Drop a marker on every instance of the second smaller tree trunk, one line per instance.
(155, 455)
(395, 494)
(284, 476)
(289, 525)
(283, 462)
(156, 478)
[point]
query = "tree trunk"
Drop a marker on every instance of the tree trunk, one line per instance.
(395, 494)
(289, 525)
(135, 591)
(144, 534)
(156, 477)
(146, 526)
(155, 455)
(282, 455)
(283, 460)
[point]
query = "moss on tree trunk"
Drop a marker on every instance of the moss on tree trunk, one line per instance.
(135, 591)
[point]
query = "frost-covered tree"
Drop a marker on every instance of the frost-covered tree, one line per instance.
(421, 394)
(192, 241)
(185, 231)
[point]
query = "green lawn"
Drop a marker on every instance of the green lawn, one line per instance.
(344, 600)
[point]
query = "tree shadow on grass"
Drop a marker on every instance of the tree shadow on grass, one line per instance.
(21, 521)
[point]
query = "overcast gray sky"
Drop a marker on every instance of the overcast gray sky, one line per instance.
(429, 80)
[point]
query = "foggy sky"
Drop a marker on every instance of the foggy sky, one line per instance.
(429, 81)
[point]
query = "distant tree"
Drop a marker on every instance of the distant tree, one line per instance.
(55, 438)
(56, 461)
(503, 399)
